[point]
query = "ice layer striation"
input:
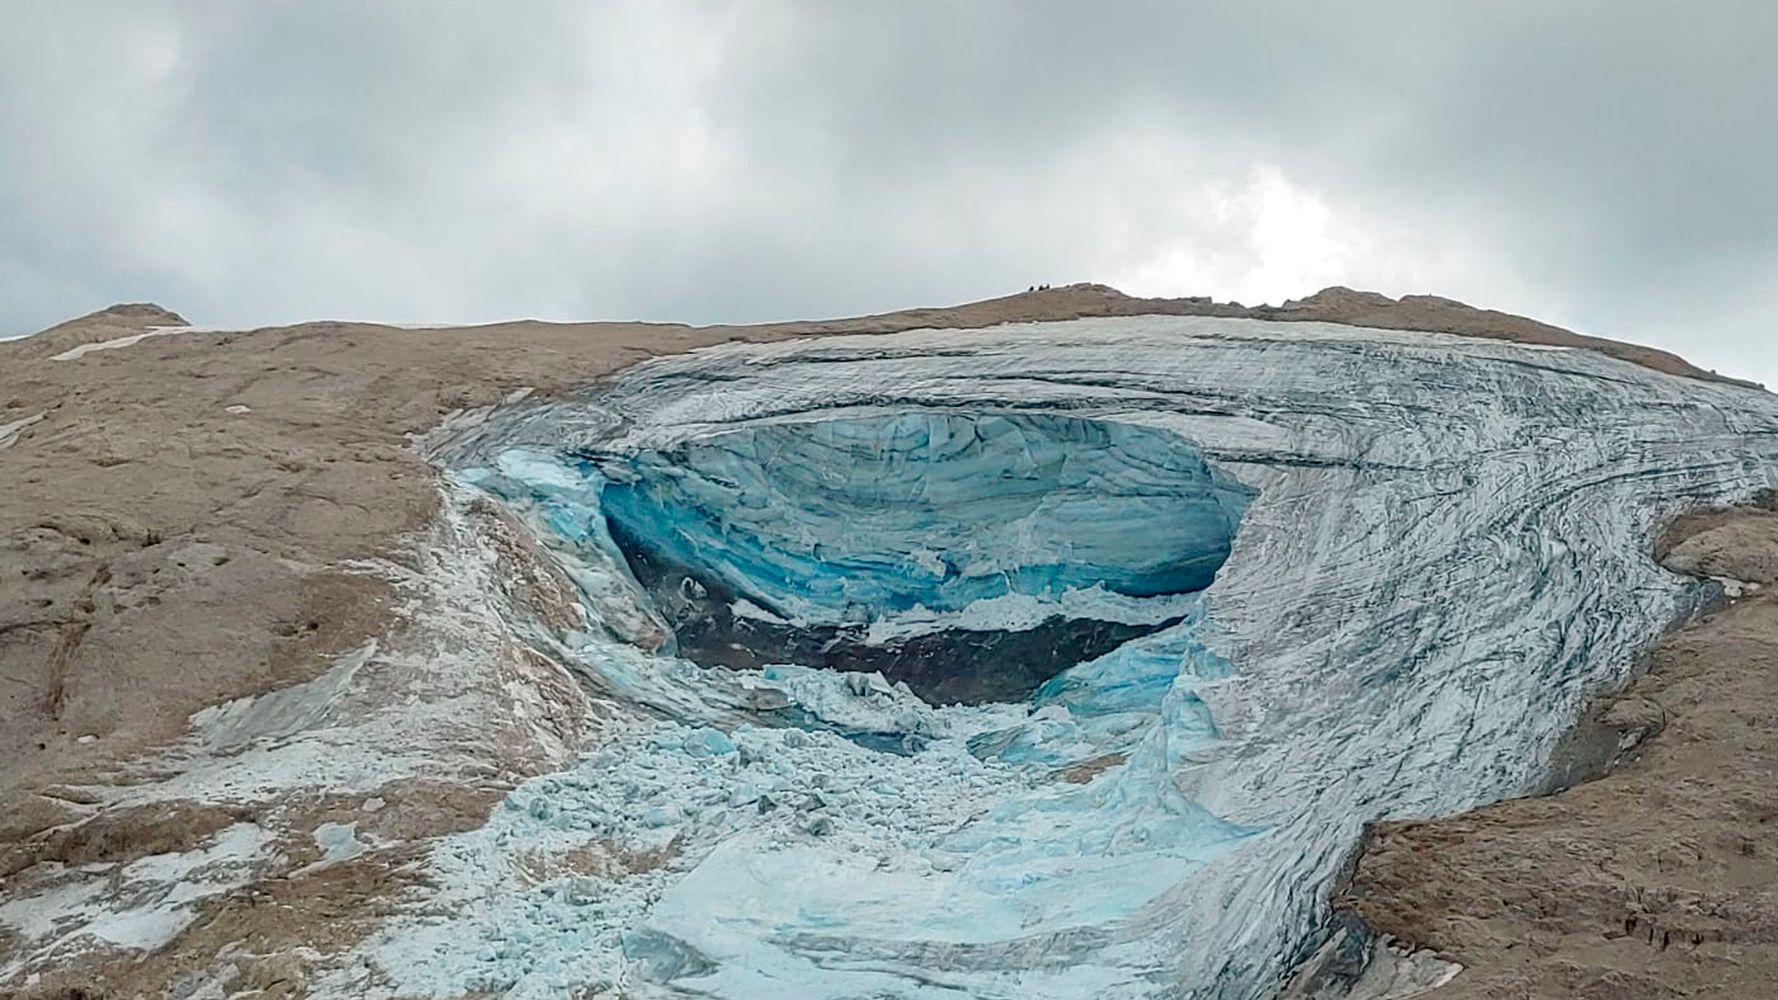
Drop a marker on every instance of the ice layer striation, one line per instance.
(904, 543)
(1300, 577)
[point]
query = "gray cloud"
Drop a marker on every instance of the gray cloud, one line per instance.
(1605, 165)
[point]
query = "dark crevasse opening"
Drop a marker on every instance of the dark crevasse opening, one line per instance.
(971, 555)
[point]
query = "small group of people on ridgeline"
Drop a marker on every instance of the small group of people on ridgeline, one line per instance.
(1038, 288)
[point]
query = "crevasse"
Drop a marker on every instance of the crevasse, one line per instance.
(1422, 553)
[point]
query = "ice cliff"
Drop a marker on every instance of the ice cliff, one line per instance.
(1058, 660)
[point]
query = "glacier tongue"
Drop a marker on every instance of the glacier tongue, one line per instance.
(1444, 554)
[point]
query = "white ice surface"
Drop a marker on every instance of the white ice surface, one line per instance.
(1447, 555)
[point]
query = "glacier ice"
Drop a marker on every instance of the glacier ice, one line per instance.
(822, 520)
(1422, 554)
(969, 554)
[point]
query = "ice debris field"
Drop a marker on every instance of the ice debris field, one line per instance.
(1061, 660)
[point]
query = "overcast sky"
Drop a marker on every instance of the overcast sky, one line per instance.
(1610, 166)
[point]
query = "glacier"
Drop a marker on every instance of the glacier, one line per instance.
(904, 543)
(1049, 660)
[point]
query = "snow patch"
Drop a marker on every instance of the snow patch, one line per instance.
(141, 905)
(81, 351)
(337, 842)
(9, 432)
